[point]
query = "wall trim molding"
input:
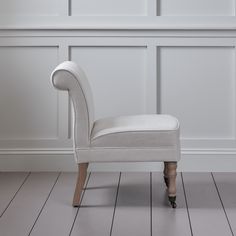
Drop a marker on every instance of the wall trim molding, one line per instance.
(193, 160)
(28, 35)
(69, 151)
(118, 22)
(45, 151)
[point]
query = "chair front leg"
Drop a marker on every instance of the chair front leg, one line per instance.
(82, 174)
(171, 181)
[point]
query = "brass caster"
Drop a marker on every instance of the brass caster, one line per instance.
(166, 181)
(172, 200)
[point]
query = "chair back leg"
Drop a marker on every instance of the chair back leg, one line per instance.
(170, 180)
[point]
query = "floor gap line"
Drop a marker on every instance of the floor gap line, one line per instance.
(15, 194)
(113, 215)
(44, 204)
(151, 203)
(186, 201)
(218, 192)
(77, 212)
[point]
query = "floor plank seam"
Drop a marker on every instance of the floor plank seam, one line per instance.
(185, 197)
(113, 215)
(15, 194)
(77, 212)
(44, 204)
(218, 192)
(151, 203)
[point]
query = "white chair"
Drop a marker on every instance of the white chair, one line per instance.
(138, 138)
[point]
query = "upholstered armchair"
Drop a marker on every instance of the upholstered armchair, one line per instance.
(137, 138)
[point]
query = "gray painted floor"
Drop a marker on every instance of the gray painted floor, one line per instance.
(117, 204)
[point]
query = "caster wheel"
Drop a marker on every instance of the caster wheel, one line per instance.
(173, 204)
(166, 181)
(172, 201)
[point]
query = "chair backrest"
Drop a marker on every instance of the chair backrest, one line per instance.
(69, 76)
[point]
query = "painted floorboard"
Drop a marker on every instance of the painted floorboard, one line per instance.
(132, 214)
(167, 221)
(95, 214)
(205, 209)
(41, 205)
(21, 214)
(9, 185)
(58, 214)
(226, 184)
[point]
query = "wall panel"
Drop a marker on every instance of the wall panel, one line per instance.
(29, 7)
(117, 76)
(28, 103)
(198, 86)
(108, 7)
(196, 7)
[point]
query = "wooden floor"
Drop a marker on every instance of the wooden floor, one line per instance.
(117, 204)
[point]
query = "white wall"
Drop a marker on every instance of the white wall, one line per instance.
(141, 56)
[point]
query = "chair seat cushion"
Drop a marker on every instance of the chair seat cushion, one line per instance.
(139, 131)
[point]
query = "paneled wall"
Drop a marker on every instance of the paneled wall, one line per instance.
(141, 56)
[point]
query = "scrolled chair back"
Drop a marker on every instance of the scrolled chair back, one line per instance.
(69, 76)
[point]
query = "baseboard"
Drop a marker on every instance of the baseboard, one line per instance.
(191, 161)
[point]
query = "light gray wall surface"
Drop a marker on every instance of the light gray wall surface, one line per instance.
(141, 56)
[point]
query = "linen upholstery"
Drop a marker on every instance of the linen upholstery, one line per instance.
(148, 131)
(115, 139)
(69, 76)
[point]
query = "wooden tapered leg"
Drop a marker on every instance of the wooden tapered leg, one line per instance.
(80, 183)
(171, 179)
(165, 173)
